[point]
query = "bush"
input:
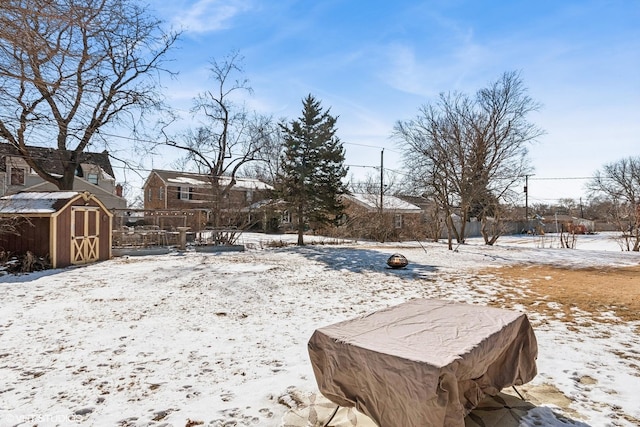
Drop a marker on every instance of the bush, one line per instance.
(15, 264)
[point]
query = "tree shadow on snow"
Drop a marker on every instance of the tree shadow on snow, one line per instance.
(360, 260)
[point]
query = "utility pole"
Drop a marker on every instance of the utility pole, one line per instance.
(526, 197)
(381, 182)
(526, 202)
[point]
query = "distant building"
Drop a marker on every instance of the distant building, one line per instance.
(94, 174)
(187, 197)
(397, 220)
(568, 224)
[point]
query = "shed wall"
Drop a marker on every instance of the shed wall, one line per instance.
(63, 238)
(106, 236)
(34, 237)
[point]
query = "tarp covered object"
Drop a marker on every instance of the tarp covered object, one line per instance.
(423, 363)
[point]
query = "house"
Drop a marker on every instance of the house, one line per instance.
(94, 174)
(563, 223)
(397, 220)
(273, 216)
(68, 227)
(173, 198)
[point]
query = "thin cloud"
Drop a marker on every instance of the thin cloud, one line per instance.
(409, 71)
(206, 16)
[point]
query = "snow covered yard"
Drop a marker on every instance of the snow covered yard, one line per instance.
(220, 339)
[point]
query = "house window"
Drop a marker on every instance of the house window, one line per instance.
(184, 193)
(149, 194)
(17, 176)
(161, 193)
(397, 221)
(92, 178)
(249, 195)
(286, 217)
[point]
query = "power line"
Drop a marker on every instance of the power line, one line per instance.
(565, 178)
(372, 146)
(129, 138)
(363, 166)
(143, 169)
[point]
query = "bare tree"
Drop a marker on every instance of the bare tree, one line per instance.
(599, 208)
(568, 205)
(69, 68)
(229, 136)
(379, 227)
(269, 165)
(619, 183)
(470, 152)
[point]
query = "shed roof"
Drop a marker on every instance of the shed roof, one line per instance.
(35, 202)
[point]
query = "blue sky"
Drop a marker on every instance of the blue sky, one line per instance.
(376, 62)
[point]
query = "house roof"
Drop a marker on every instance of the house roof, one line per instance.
(176, 178)
(389, 203)
(50, 160)
(35, 202)
(419, 201)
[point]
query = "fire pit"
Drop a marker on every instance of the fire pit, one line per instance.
(397, 261)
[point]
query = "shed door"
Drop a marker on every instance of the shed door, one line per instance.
(85, 238)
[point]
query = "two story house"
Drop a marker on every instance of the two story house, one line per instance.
(94, 174)
(173, 199)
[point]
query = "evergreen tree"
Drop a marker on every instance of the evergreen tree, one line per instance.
(312, 167)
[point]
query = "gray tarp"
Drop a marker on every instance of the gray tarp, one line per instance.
(424, 362)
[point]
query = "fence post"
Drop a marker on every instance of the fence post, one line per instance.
(182, 244)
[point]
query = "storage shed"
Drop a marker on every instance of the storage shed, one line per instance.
(70, 227)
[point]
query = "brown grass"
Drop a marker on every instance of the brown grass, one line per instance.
(594, 290)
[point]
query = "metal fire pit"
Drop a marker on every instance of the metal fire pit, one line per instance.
(397, 261)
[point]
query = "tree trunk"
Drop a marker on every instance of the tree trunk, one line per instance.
(300, 226)
(490, 236)
(382, 229)
(66, 181)
(216, 200)
(463, 227)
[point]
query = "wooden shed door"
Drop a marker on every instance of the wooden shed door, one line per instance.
(85, 238)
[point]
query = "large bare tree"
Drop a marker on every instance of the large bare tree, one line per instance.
(229, 137)
(69, 68)
(469, 153)
(619, 184)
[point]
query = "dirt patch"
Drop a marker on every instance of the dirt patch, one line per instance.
(594, 290)
(544, 394)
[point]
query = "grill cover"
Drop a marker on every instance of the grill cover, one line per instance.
(423, 363)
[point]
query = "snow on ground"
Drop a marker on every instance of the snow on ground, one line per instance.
(221, 338)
